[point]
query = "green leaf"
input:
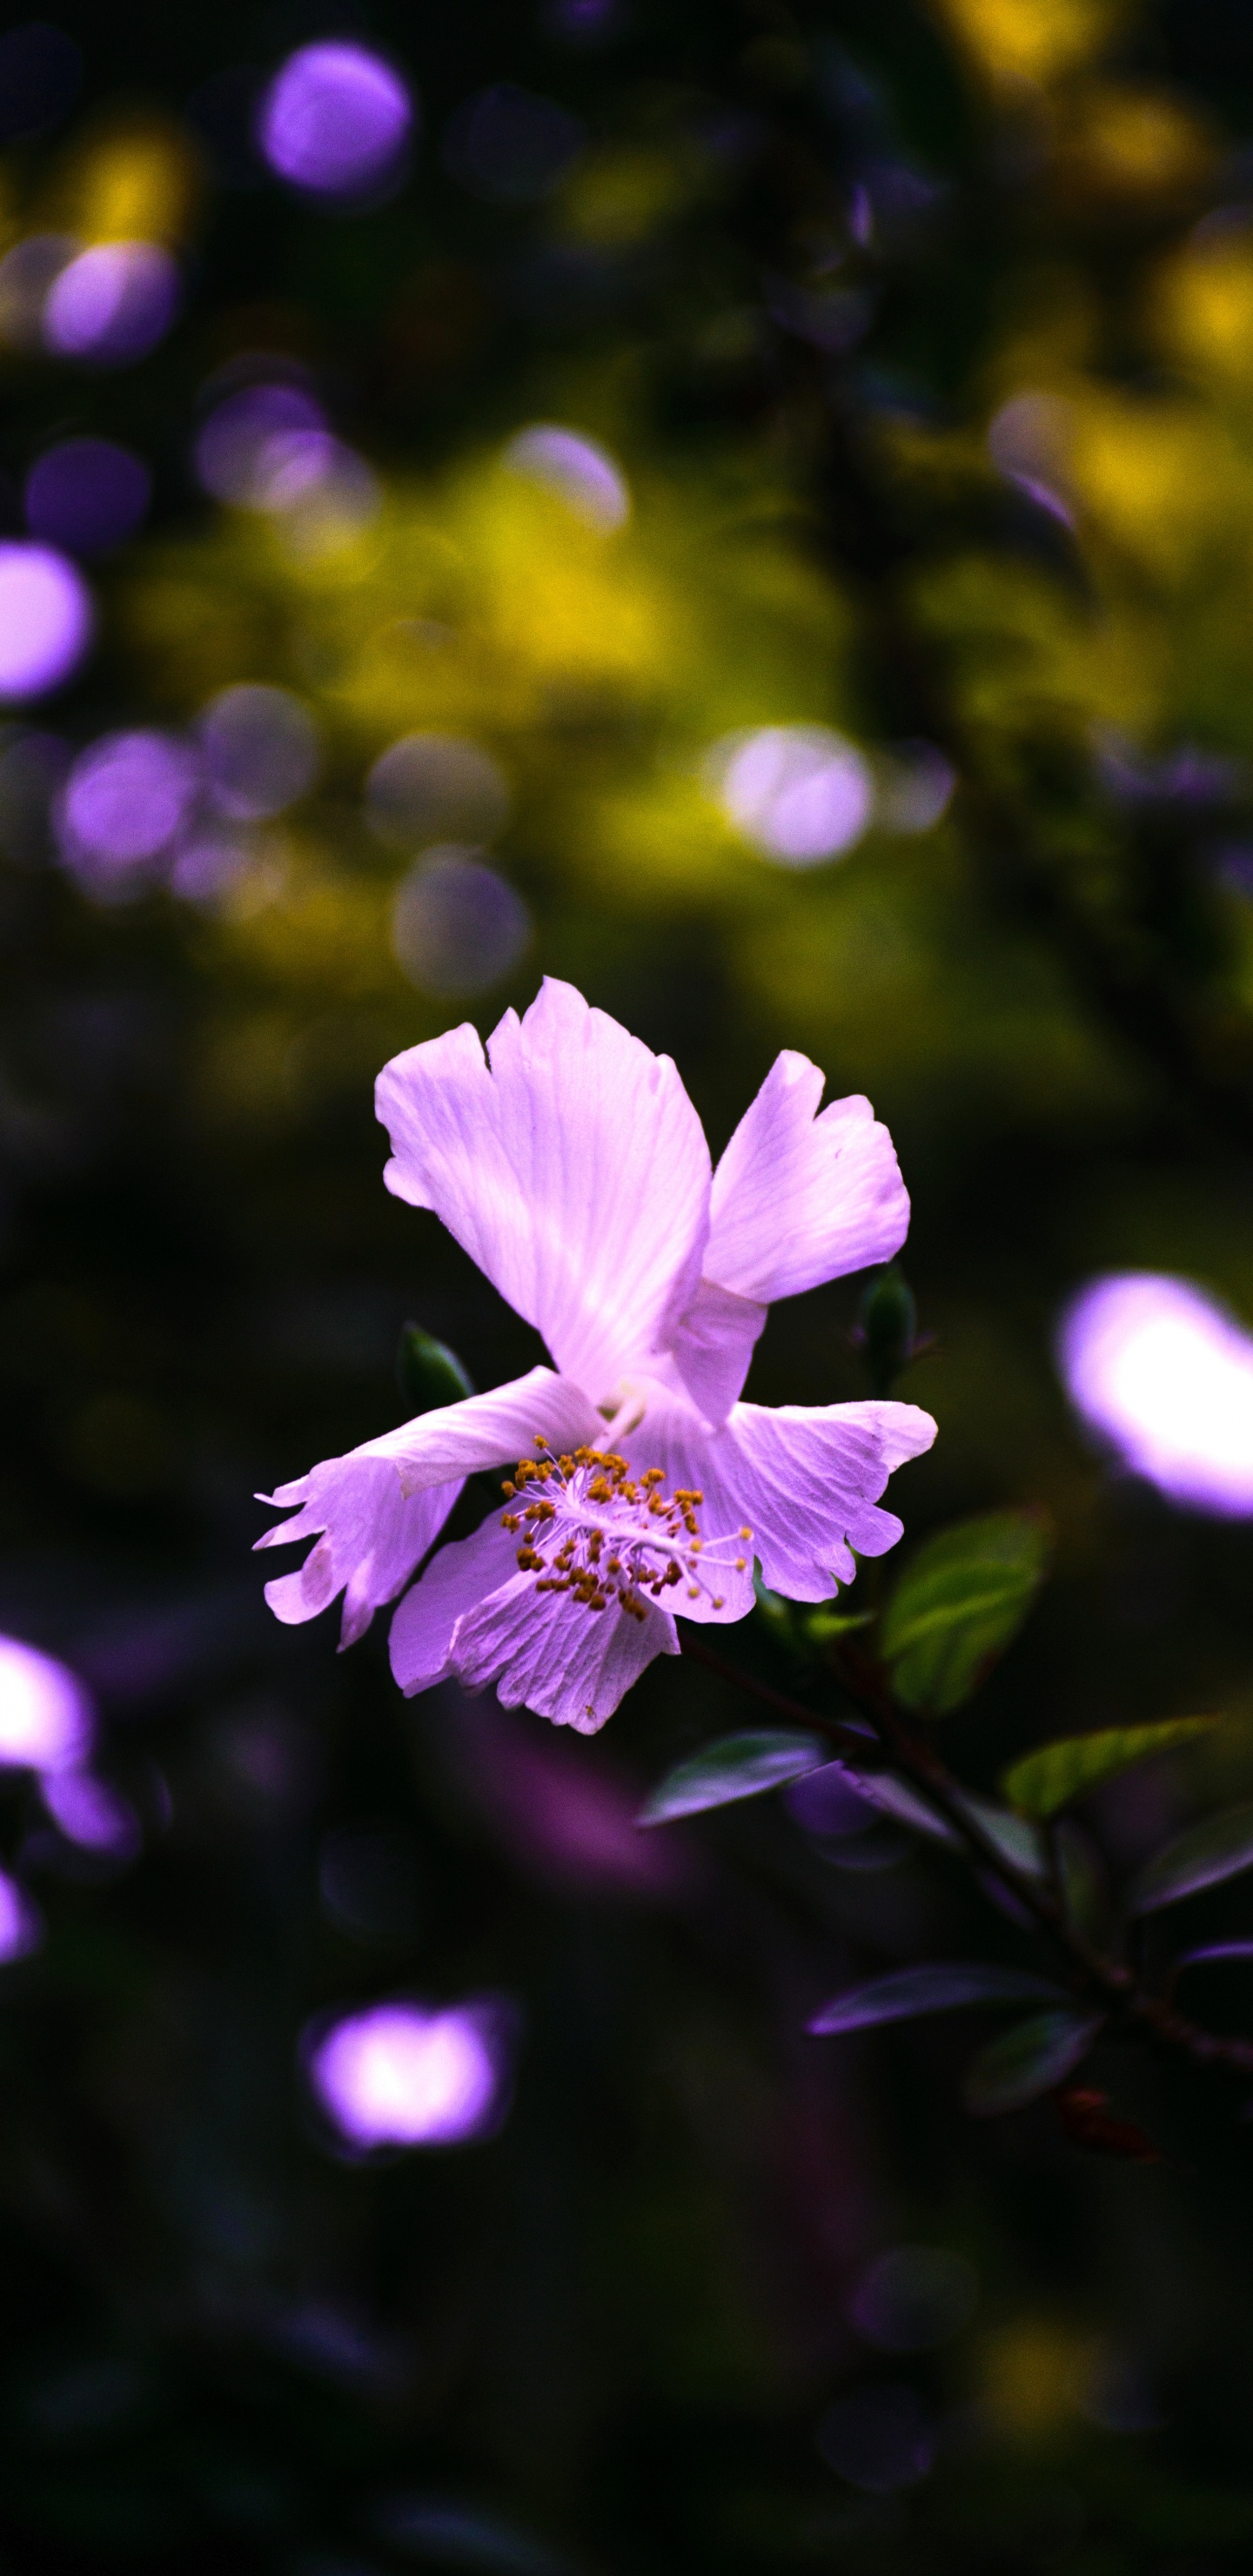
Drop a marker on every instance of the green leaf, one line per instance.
(1059, 1773)
(428, 1374)
(1207, 1853)
(822, 1627)
(736, 1766)
(1027, 2061)
(1017, 1841)
(959, 1605)
(941, 1986)
(1083, 1882)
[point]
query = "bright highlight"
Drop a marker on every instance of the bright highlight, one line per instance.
(46, 620)
(46, 1717)
(398, 2076)
(801, 793)
(1165, 1373)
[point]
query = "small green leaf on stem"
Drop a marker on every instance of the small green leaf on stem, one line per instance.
(1220, 1848)
(888, 1323)
(1027, 2061)
(736, 1766)
(428, 1374)
(1046, 1781)
(959, 1605)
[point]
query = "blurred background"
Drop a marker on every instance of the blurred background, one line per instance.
(748, 507)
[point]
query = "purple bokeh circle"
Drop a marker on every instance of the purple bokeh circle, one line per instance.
(113, 303)
(335, 120)
(46, 1714)
(125, 799)
(87, 494)
(46, 620)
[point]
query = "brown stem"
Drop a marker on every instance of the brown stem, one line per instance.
(1098, 1977)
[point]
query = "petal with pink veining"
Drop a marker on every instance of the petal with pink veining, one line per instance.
(800, 1198)
(545, 1650)
(574, 1172)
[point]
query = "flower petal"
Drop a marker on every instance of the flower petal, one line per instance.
(671, 1437)
(808, 1480)
(713, 1345)
(461, 1575)
(805, 1480)
(373, 1536)
(798, 1199)
(545, 1651)
(575, 1173)
(383, 1505)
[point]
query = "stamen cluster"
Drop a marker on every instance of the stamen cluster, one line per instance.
(591, 1528)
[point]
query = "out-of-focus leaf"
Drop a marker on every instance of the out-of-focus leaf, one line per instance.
(800, 1629)
(737, 1766)
(1215, 1950)
(1017, 1841)
(428, 1373)
(439, 2528)
(940, 1986)
(779, 1616)
(1027, 2061)
(822, 1627)
(1220, 1848)
(1083, 1881)
(1046, 1781)
(889, 1324)
(894, 1797)
(959, 1605)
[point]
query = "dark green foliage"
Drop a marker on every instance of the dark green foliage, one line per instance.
(1028, 2060)
(1208, 1853)
(889, 1327)
(959, 1604)
(1059, 1774)
(427, 1372)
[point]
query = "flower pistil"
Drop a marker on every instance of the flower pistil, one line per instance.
(592, 1529)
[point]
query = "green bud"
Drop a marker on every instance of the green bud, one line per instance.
(428, 1374)
(889, 1322)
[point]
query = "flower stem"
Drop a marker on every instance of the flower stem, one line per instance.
(1095, 1976)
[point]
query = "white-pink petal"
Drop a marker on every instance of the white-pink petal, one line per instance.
(712, 1346)
(376, 1511)
(809, 1479)
(545, 1651)
(574, 1172)
(463, 1574)
(800, 1198)
(371, 1536)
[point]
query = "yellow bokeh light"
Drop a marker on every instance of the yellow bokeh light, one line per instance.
(1204, 310)
(139, 184)
(1032, 40)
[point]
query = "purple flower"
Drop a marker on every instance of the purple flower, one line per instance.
(573, 1168)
